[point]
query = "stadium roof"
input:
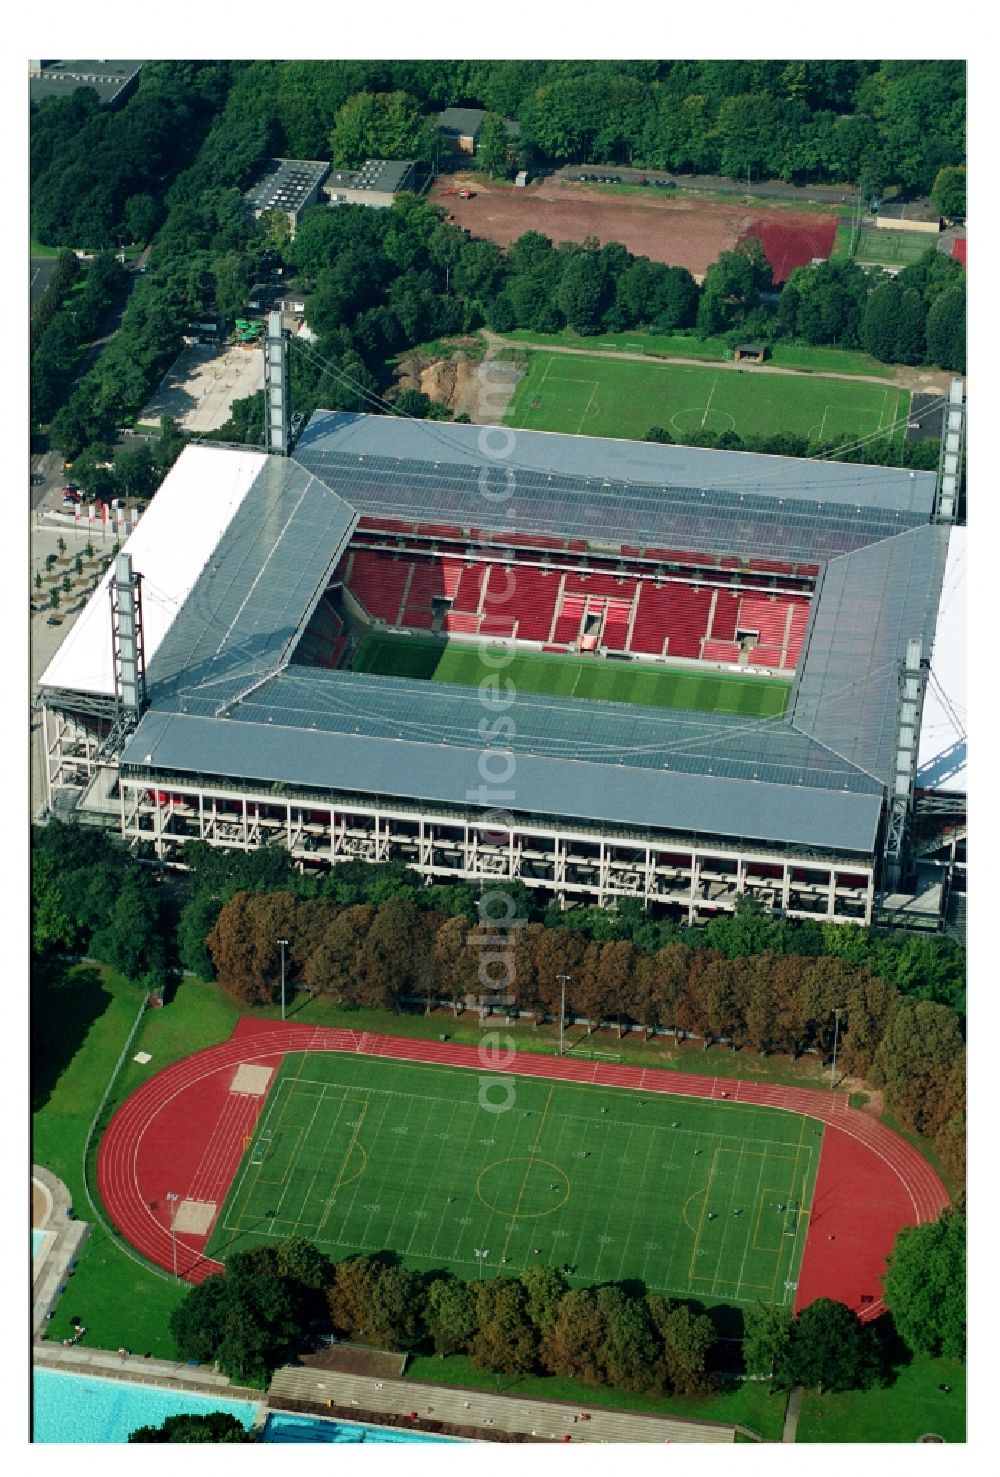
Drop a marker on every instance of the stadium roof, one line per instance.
(942, 759)
(171, 545)
(227, 700)
(598, 489)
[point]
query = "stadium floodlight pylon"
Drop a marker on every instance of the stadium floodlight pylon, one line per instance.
(277, 388)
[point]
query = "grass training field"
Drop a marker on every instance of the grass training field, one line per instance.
(709, 1200)
(641, 683)
(890, 247)
(616, 397)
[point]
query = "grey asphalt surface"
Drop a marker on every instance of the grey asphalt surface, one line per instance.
(41, 269)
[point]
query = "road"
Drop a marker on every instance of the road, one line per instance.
(41, 270)
(722, 185)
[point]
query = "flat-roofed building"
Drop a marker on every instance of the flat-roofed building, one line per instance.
(376, 183)
(112, 81)
(288, 185)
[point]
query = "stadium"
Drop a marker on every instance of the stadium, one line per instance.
(606, 668)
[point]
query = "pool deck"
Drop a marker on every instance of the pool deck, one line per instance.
(51, 1206)
(164, 1374)
(479, 1413)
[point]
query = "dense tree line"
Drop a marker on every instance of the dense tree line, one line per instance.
(217, 1427)
(251, 1318)
(67, 270)
(89, 896)
(66, 336)
(925, 1286)
(731, 988)
(98, 173)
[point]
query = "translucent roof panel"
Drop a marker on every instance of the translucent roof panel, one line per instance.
(258, 589)
(610, 491)
(942, 758)
(870, 604)
(593, 793)
(171, 545)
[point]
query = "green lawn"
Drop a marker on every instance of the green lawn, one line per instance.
(641, 683)
(614, 397)
(81, 1020)
(891, 248)
(911, 1407)
(707, 1200)
(742, 1403)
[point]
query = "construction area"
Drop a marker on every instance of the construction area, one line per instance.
(199, 389)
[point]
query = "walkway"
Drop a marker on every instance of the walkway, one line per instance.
(922, 381)
(165, 1374)
(547, 1420)
(792, 1414)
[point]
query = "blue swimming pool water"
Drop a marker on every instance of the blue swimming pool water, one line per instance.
(81, 1408)
(37, 1237)
(300, 1428)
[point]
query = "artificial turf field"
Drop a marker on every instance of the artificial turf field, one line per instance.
(708, 1200)
(598, 396)
(641, 683)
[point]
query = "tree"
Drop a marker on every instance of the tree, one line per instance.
(925, 1286)
(505, 1341)
(143, 216)
(380, 126)
(581, 293)
(92, 470)
(545, 1288)
(688, 1338)
(766, 1333)
(922, 1040)
(571, 1344)
(945, 330)
(491, 146)
(829, 1349)
(452, 1314)
(216, 1426)
(948, 192)
(134, 473)
(198, 1323)
(630, 1347)
(879, 321)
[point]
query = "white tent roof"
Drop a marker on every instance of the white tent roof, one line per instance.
(172, 543)
(941, 760)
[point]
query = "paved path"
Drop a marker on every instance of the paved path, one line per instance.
(546, 1420)
(904, 380)
(162, 1373)
(792, 1413)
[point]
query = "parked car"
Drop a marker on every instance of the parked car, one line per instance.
(71, 496)
(54, 620)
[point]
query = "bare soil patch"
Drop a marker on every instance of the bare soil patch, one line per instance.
(682, 233)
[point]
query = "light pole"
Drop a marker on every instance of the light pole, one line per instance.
(836, 1033)
(562, 978)
(481, 1255)
(172, 1199)
(284, 945)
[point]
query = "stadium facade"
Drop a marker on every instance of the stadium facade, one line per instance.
(205, 693)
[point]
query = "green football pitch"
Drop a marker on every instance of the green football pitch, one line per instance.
(700, 1199)
(598, 396)
(641, 683)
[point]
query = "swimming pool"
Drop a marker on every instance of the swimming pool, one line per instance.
(37, 1240)
(82, 1408)
(281, 1427)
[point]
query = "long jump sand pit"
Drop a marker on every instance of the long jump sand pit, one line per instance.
(680, 232)
(199, 389)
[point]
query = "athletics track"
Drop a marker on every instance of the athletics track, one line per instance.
(183, 1132)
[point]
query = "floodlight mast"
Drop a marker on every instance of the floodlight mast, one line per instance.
(277, 388)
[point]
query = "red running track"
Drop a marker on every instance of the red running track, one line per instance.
(183, 1132)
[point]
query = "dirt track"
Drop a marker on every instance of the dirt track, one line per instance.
(682, 233)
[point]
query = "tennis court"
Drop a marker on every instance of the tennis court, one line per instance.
(889, 248)
(643, 683)
(598, 396)
(696, 1198)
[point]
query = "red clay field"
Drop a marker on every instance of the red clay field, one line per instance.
(682, 233)
(191, 1131)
